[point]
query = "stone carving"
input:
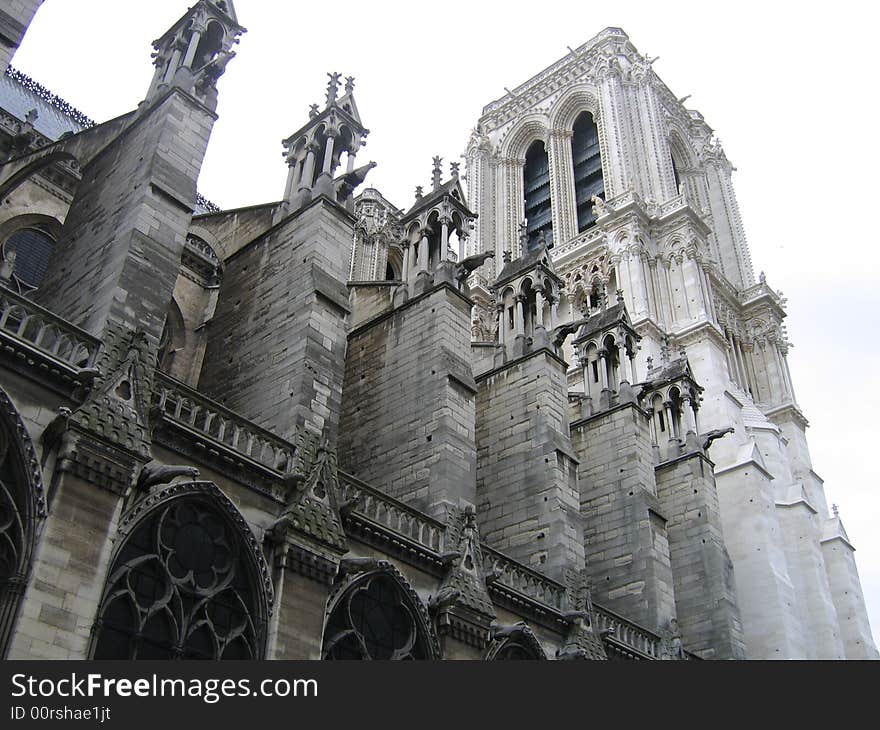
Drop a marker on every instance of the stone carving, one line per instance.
(707, 438)
(154, 473)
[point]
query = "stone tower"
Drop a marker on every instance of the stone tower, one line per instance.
(637, 196)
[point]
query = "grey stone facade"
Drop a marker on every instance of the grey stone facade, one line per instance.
(236, 407)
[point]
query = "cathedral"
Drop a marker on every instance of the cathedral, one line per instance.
(540, 411)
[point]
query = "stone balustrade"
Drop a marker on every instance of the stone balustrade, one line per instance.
(390, 513)
(219, 426)
(31, 324)
(631, 635)
(523, 580)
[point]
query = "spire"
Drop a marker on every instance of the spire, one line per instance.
(437, 173)
(333, 87)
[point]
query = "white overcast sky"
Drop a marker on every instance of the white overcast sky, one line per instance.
(789, 87)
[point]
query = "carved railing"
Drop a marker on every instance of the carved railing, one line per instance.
(625, 632)
(387, 512)
(523, 580)
(582, 240)
(46, 332)
(671, 205)
(219, 426)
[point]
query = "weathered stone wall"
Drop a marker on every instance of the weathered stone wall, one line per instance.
(70, 567)
(276, 346)
(15, 17)
(119, 253)
(705, 595)
(846, 591)
(627, 547)
(526, 470)
(408, 417)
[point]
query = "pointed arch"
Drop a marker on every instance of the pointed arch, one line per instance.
(516, 642)
(188, 581)
(378, 615)
(22, 509)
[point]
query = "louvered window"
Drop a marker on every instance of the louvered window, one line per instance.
(588, 179)
(536, 184)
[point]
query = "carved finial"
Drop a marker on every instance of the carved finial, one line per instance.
(31, 116)
(453, 169)
(836, 510)
(762, 278)
(313, 111)
(506, 257)
(523, 235)
(332, 87)
(664, 351)
(599, 207)
(650, 363)
(682, 352)
(542, 238)
(619, 294)
(349, 84)
(437, 172)
(419, 192)
(603, 298)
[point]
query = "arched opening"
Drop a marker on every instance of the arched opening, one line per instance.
(374, 618)
(587, 161)
(183, 585)
(173, 338)
(25, 255)
(536, 188)
(518, 643)
(21, 506)
(209, 46)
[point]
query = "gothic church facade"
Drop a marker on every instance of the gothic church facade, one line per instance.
(544, 412)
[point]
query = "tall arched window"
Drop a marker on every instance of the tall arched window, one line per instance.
(587, 161)
(182, 586)
(374, 618)
(30, 249)
(536, 186)
(21, 506)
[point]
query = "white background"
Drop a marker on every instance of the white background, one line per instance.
(790, 88)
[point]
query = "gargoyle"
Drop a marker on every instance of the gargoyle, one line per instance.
(446, 596)
(353, 566)
(498, 631)
(716, 433)
(564, 330)
(468, 266)
(155, 473)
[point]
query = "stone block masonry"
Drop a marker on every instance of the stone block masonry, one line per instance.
(527, 498)
(277, 343)
(408, 410)
(119, 253)
(624, 526)
(705, 595)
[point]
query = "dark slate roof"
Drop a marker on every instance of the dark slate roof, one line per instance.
(19, 94)
(602, 320)
(523, 264)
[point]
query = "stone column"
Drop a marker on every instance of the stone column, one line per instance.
(308, 173)
(404, 274)
(519, 325)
